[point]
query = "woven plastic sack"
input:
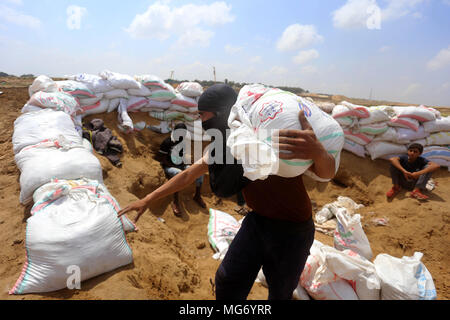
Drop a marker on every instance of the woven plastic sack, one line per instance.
(42, 83)
(95, 83)
(119, 80)
(258, 114)
(75, 89)
(190, 89)
(439, 138)
(222, 228)
(58, 101)
(377, 149)
(73, 226)
(34, 127)
(441, 124)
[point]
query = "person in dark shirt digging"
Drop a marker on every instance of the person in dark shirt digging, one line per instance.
(411, 172)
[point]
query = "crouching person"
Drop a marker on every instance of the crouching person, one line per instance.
(411, 172)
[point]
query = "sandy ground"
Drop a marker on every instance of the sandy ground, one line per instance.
(173, 259)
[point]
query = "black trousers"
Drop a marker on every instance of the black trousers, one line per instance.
(279, 247)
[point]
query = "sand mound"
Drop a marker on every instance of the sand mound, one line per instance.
(172, 256)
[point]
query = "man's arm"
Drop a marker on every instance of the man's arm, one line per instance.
(177, 183)
(304, 144)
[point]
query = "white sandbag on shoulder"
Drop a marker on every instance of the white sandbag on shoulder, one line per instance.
(378, 149)
(59, 101)
(378, 114)
(100, 107)
(119, 80)
(404, 123)
(42, 162)
(419, 113)
(190, 89)
(258, 114)
(73, 227)
(75, 89)
(116, 93)
(441, 124)
(222, 228)
(355, 148)
(46, 124)
(42, 83)
(143, 91)
(404, 279)
(439, 138)
(320, 282)
(349, 234)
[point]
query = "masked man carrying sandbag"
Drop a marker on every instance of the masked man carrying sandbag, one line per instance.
(279, 232)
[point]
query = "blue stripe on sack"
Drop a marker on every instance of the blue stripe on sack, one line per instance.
(437, 153)
(331, 136)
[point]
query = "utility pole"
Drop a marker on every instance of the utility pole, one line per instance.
(171, 74)
(214, 72)
(370, 97)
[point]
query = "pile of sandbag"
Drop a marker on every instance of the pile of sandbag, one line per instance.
(74, 221)
(386, 131)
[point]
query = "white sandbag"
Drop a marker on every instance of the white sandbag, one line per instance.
(441, 162)
(174, 107)
(373, 129)
(378, 114)
(423, 142)
(419, 113)
(46, 124)
(404, 134)
(300, 293)
(75, 89)
(320, 282)
(359, 271)
(348, 109)
(113, 104)
(155, 104)
(349, 234)
(100, 107)
(125, 122)
(436, 152)
(162, 95)
(184, 101)
(357, 137)
(190, 89)
(389, 135)
(142, 91)
(74, 228)
(222, 228)
(116, 93)
(404, 123)
(377, 149)
(119, 80)
(42, 83)
(325, 106)
(153, 83)
(439, 138)
(136, 103)
(42, 162)
(346, 122)
(441, 124)
(30, 108)
(59, 101)
(93, 82)
(169, 115)
(258, 114)
(404, 279)
(91, 101)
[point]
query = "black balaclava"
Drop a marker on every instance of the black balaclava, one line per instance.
(225, 179)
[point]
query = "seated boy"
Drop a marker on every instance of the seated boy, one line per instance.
(171, 159)
(411, 172)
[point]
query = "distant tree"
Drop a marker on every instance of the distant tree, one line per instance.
(27, 76)
(3, 74)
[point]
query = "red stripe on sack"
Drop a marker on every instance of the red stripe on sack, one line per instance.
(91, 107)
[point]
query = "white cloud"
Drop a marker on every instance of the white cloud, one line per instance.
(232, 49)
(441, 60)
(298, 36)
(18, 18)
(306, 56)
(368, 14)
(195, 37)
(160, 21)
(411, 89)
(256, 59)
(74, 15)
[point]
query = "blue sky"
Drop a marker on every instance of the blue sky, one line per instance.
(395, 49)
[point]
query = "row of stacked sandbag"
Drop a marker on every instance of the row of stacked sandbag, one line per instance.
(386, 131)
(73, 226)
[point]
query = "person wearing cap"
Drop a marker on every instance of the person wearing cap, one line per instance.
(279, 231)
(171, 157)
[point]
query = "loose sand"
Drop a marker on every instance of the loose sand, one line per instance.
(173, 259)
